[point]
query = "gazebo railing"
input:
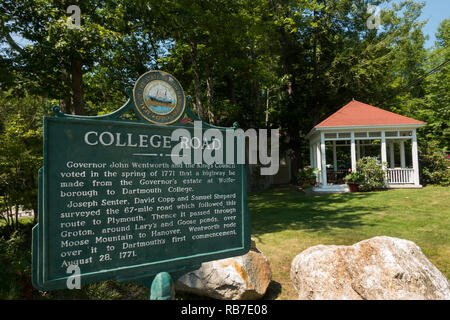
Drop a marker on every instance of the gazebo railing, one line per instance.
(400, 175)
(395, 176)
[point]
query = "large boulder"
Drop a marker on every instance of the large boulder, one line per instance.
(238, 278)
(380, 268)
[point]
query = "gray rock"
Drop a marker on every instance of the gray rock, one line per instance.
(380, 268)
(238, 278)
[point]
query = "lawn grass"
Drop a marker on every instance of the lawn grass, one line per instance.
(285, 222)
(22, 220)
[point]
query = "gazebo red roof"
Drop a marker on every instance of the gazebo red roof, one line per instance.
(356, 113)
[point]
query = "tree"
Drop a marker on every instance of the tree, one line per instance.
(278, 64)
(20, 153)
(328, 57)
(58, 53)
(224, 56)
(434, 108)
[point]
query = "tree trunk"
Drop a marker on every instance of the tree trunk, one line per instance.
(210, 98)
(315, 78)
(65, 102)
(295, 165)
(77, 86)
(198, 101)
(17, 216)
(296, 154)
(137, 57)
(289, 60)
(267, 108)
(230, 87)
(155, 51)
(259, 109)
(7, 212)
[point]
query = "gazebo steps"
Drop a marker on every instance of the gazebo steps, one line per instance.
(332, 188)
(404, 186)
(338, 188)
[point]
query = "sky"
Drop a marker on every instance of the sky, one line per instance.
(435, 11)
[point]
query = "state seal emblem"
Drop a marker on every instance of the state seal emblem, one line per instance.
(159, 97)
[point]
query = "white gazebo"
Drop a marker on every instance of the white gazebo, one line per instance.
(359, 126)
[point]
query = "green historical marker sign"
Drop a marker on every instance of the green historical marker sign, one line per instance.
(119, 200)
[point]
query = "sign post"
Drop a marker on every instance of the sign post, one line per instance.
(138, 200)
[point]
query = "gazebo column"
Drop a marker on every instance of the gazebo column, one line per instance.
(313, 157)
(358, 150)
(383, 148)
(314, 150)
(335, 167)
(415, 157)
(318, 159)
(323, 159)
(391, 154)
(353, 150)
(402, 154)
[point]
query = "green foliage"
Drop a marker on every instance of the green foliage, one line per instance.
(15, 262)
(354, 177)
(306, 177)
(369, 175)
(435, 168)
(20, 153)
(15, 275)
(15, 278)
(266, 64)
(106, 290)
(429, 99)
(112, 290)
(434, 106)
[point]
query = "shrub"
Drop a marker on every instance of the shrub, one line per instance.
(370, 174)
(15, 275)
(15, 263)
(354, 178)
(434, 166)
(306, 177)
